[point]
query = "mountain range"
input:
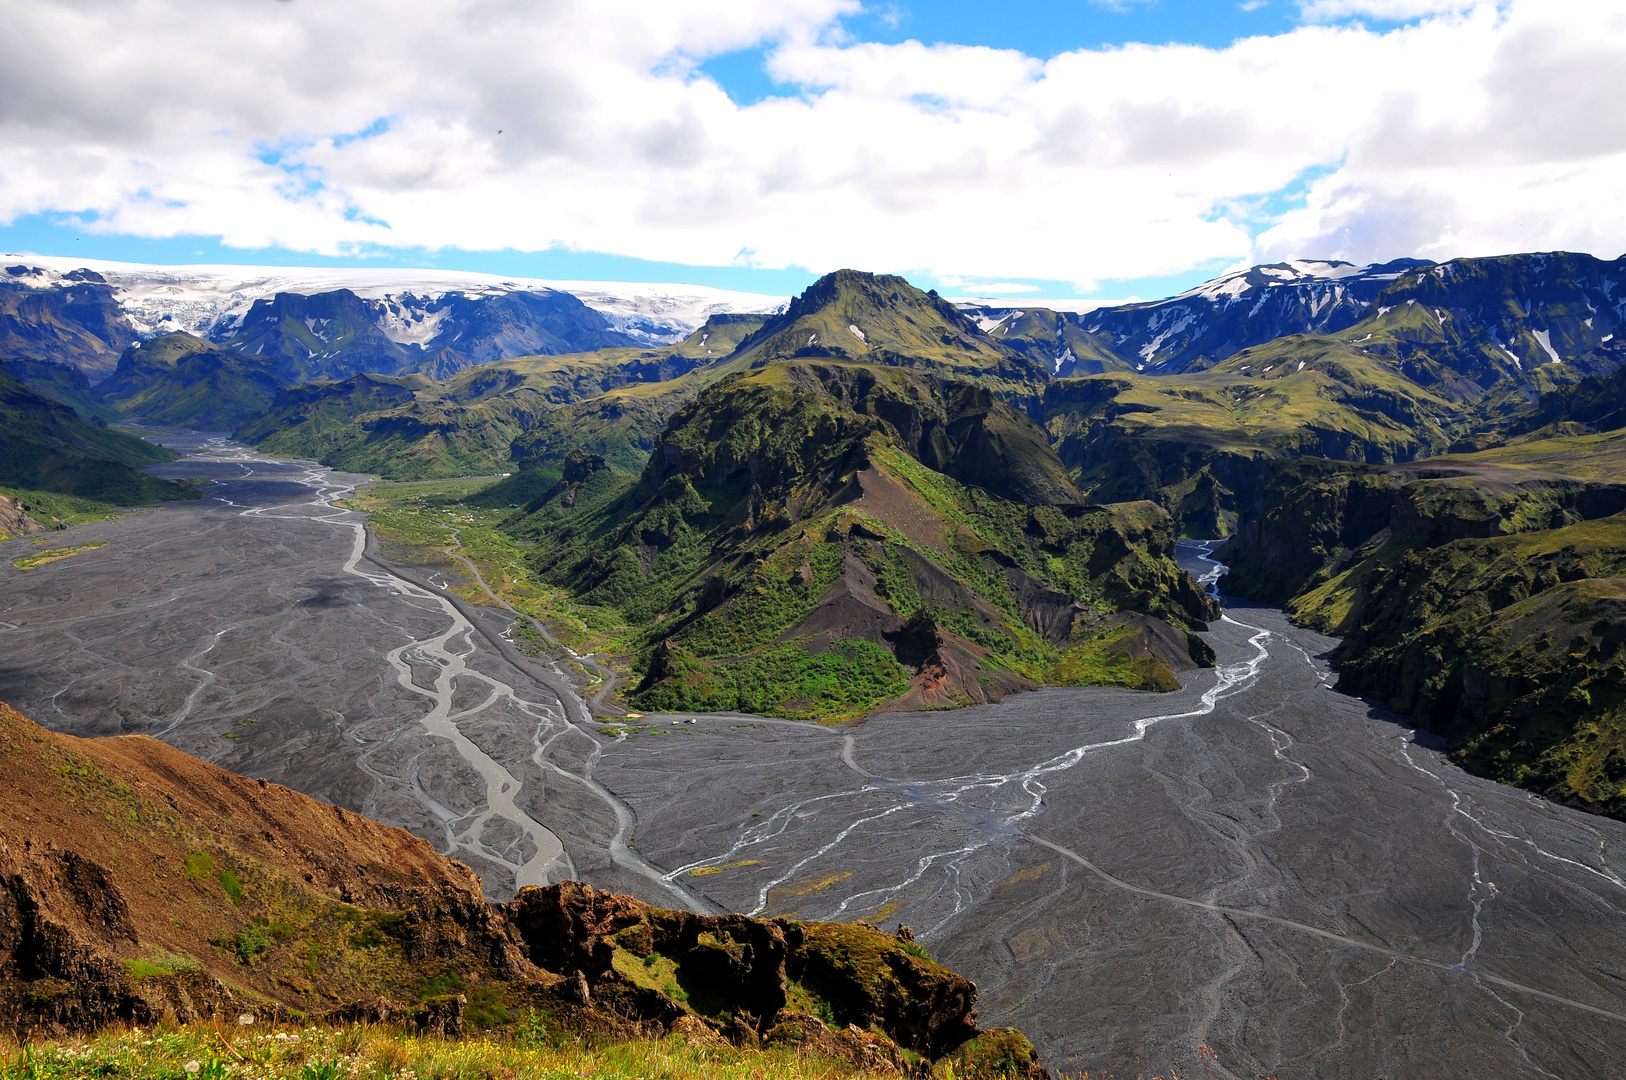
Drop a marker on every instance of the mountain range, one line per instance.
(873, 497)
(336, 322)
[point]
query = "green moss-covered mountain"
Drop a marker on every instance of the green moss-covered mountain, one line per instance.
(822, 539)
(178, 380)
(45, 446)
(1512, 647)
(530, 411)
(1481, 595)
(883, 320)
(63, 383)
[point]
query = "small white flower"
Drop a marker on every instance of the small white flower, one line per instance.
(193, 1066)
(246, 1019)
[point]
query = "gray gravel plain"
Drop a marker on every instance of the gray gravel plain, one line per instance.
(1253, 863)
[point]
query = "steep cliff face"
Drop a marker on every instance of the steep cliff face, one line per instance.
(1515, 649)
(1219, 447)
(1483, 602)
(1322, 529)
(75, 322)
(138, 884)
(177, 380)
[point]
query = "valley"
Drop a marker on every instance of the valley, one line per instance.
(254, 631)
(879, 607)
(1125, 875)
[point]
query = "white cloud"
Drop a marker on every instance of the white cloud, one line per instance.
(996, 288)
(1488, 130)
(1391, 10)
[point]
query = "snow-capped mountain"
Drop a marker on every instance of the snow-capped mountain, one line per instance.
(1203, 326)
(87, 311)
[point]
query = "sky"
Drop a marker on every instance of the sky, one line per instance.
(1064, 148)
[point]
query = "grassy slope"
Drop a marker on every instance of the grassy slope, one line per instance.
(63, 383)
(1585, 456)
(1211, 447)
(52, 509)
(283, 1052)
(166, 885)
(44, 446)
(178, 380)
(1409, 380)
(483, 420)
(883, 320)
(435, 522)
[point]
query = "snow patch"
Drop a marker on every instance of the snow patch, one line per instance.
(857, 332)
(1544, 338)
(410, 324)
(1149, 350)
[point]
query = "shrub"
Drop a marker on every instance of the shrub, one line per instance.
(198, 865)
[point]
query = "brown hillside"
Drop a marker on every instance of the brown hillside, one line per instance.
(138, 883)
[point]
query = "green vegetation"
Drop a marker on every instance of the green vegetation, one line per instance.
(1214, 447)
(177, 380)
(785, 680)
(51, 555)
(1113, 657)
(810, 537)
(158, 967)
(531, 410)
(53, 508)
(44, 446)
(250, 942)
(1582, 455)
(707, 871)
(533, 1051)
(64, 383)
(1476, 598)
(1515, 649)
(198, 865)
(882, 320)
(440, 522)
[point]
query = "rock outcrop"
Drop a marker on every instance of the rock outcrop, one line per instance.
(138, 884)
